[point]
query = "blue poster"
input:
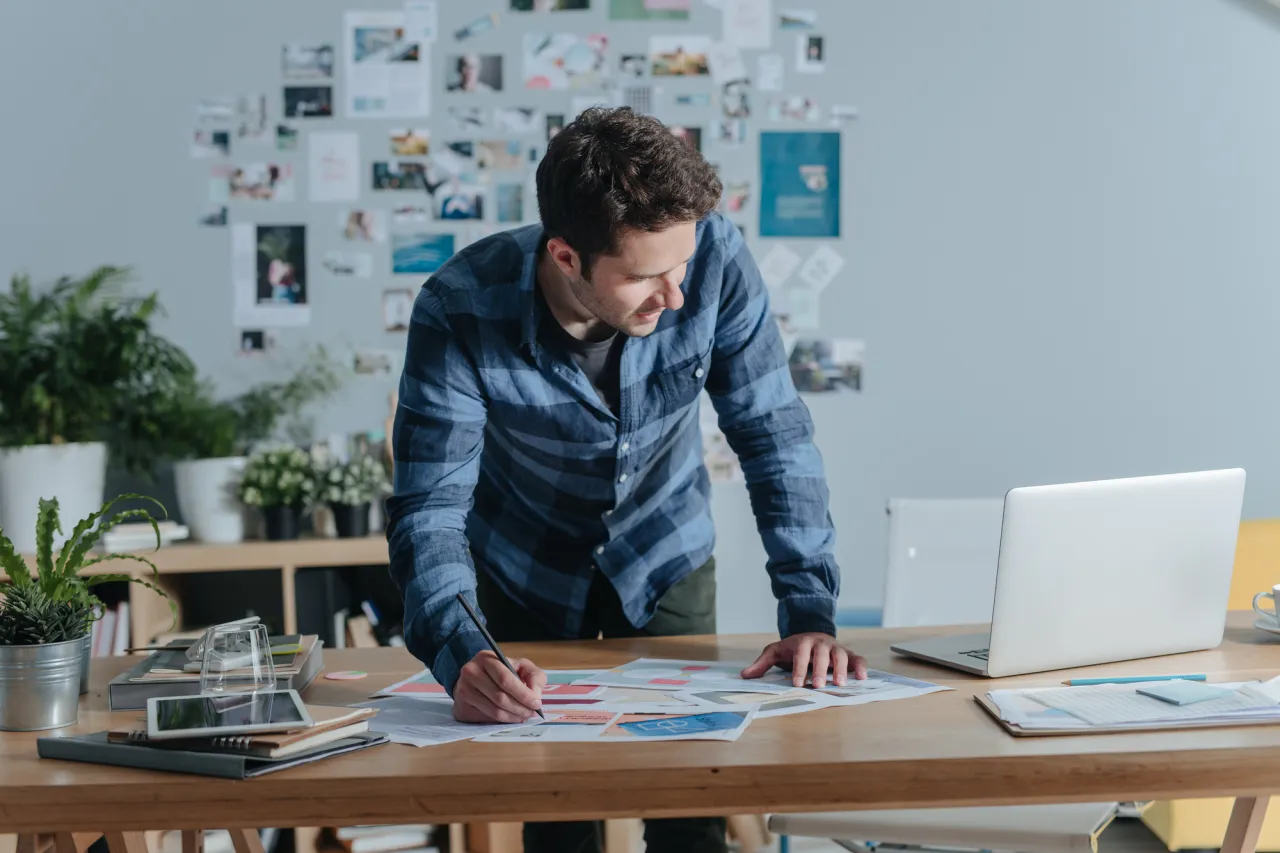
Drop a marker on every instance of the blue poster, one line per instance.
(420, 253)
(800, 184)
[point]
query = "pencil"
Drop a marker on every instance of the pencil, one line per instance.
(493, 645)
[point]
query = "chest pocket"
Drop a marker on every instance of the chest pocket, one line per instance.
(680, 384)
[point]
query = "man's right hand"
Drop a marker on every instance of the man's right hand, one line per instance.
(488, 692)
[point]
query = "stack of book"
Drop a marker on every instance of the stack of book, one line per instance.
(334, 731)
(136, 536)
(170, 673)
(407, 838)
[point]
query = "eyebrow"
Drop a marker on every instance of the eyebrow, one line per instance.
(664, 272)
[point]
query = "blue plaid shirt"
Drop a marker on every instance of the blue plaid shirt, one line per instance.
(504, 450)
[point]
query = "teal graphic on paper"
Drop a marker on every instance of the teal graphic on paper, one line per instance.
(800, 184)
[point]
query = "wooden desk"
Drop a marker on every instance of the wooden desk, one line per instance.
(938, 750)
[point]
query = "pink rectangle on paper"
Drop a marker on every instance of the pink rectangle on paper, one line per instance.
(569, 689)
(675, 681)
(419, 687)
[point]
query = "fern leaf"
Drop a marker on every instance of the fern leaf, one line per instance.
(12, 563)
(86, 523)
(46, 523)
(155, 571)
(110, 578)
(91, 537)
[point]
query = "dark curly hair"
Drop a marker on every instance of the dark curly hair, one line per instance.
(611, 171)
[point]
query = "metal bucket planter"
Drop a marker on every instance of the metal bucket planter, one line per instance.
(85, 655)
(40, 685)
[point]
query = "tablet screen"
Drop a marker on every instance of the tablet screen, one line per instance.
(233, 710)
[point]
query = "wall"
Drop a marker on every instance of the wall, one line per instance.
(1059, 220)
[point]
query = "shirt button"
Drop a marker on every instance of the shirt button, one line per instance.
(608, 512)
(698, 373)
(622, 479)
(599, 549)
(626, 445)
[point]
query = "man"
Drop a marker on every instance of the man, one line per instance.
(548, 460)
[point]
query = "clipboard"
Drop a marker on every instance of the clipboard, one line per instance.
(1170, 725)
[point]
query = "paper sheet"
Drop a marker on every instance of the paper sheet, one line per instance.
(770, 69)
(795, 701)
(560, 726)
(778, 265)
(811, 56)
(661, 674)
(334, 165)
(820, 268)
(748, 23)
(388, 73)
(421, 20)
(878, 686)
(348, 264)
(726, 62)
(409, 721)
(804, 306)
(560, 685)
(1118, 704)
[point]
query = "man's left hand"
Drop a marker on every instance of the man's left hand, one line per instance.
(800, 650)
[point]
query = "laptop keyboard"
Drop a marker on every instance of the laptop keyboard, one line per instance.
(979, 654)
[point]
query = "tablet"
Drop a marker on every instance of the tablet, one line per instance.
(225, 714)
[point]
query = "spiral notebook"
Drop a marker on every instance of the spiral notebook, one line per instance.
(332, 722)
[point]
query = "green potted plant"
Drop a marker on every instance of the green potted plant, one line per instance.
(282, 484)
(84, 372)
(45, 618)
(215, 437)
(350, 488)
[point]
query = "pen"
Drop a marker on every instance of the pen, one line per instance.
(1132, 679)
(488, 638)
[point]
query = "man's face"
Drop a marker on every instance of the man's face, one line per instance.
(630, 290)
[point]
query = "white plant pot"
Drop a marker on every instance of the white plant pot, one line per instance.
(207, 498)
(75, 474)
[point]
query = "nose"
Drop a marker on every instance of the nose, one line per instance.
(672, 297)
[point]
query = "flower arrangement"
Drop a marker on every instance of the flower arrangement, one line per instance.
(281, 476)
(361, 480)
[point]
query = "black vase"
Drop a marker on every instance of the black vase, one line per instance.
(282, 522)
(351, 520)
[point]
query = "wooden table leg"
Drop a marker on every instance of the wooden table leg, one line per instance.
(126, 842)
(246, 841)
(457, 838)
(1245, 825)
(193, 841)
(27, 843)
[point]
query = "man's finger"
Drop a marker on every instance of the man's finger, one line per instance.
(497, 693)
(821, 660)
(839, 665)
(472, 706)
(800, 661)
(761, 665)
(531, 675)
(508, 682)
(859, 667)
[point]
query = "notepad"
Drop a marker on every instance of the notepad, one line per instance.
(1118, 704)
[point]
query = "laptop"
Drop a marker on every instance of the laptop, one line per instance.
(1104, 571)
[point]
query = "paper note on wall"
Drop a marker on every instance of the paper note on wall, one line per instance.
(421, 20)
(778, 265)
(804, 308)
(334, 166)
(769, 72)
(726, 62)
(748, 23)
(388, 73)
(821, 267)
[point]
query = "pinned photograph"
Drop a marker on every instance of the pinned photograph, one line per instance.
(216, 109)
(810, 57)
(373, 362)
(510, 202)
(411, 142)
(256, 341)
(499, 154)
(308, 101)
(735, 99)
(364, 226)
(474, 72)
(419, 252)
(467, 119)
(215, 216)
(649, 10)
(821, 365)
(794, 108)
(397, 309)
(693, 99)
(737, 194)
(307, 62)
(282, 264)
(520, 121)
(549, 5)
(348, 264)
(379, 44)
(679, 56)
(261, 182)
(286, 138)
(211, 143)
(454, 158)
(731, 131)
(692, 136)
(251, 116)
(797, 19)
(555, 124)
(633, 64)
(562, 61)
(484, 23)
(399, 175)
(459, 199)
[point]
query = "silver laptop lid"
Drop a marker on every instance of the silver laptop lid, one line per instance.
(1114, 570)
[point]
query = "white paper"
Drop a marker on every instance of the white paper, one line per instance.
(662, 674)
(348, 264)
(778, 265)
(804, 306)
(748, 23)
(253, 310)
(1118, 704)
(415, 723)
(821, 267)
(421, 20)
(811, 54)
(726, 62)
(796, 701)
(723, 724)
(388, 74)
(334, 165)
(878, 686)
(769, 72)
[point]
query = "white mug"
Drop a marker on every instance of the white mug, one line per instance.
(1274, 595)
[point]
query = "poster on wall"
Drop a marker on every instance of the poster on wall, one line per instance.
(800, 184)
(821, 365)
(649, 10)
(564, 61)
(269, 275)
(334, 166)
(388, 73)
(748, 23)
(680, 56)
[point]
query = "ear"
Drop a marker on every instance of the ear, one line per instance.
(565, 257)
